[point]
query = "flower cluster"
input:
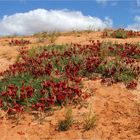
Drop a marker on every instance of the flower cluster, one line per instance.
(52, 75)
(20, 42)
(121, 33)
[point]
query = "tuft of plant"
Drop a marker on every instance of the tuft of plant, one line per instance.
(40, 40)
(65, 124)
(119, 34)
(41, 37)
(53, 36)
(89, 121)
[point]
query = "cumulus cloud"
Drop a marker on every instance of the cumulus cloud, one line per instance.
(50, 20)
(135, 26)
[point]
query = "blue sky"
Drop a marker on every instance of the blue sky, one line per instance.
(123, 13)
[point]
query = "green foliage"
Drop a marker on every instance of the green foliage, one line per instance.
(125, 76)
(120, 34)
(52, 74)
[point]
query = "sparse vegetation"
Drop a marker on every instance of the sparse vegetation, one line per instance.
(120, 33)
(65, 124)
(46, 80)
(89, 121)
(53, 36)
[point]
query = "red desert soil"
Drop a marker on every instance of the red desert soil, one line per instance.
(116, 108)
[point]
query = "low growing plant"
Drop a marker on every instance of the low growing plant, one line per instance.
(51, 75)
(65, 124)
(89, 121)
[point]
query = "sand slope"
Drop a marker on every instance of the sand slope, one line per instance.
(116, 108)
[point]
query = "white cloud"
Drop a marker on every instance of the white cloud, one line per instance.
(50, 20)
(135, 26)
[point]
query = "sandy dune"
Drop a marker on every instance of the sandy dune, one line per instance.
(116, 108)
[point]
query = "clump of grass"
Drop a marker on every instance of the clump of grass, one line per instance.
(40, 40)
(65, 124)
(89, 121)
(41, 36)
(53, 36)
(120, 34)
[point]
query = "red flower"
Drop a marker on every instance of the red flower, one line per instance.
(26, 91)
(3, 93)
(1, 103)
